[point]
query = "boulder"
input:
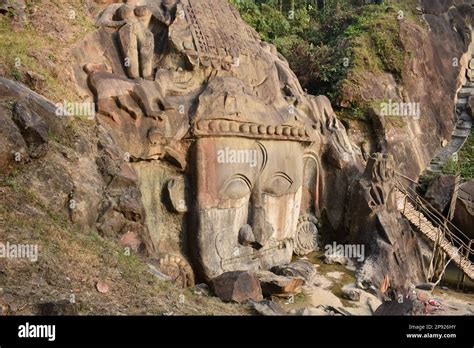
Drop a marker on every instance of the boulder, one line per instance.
(268, 308)
(201, 290)
(309, 311)
(464, 212)
(335, 258)
(32, 127)
(237, 286)
(273, 284)
(299, 268)
(351, 294)
(397, 308)
(439, 192)
(58, 308)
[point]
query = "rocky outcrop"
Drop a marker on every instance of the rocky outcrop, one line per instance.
(91, 183)
(238, 286)
(392, 250)
(429, 81)
(207, 154)
(439, 192)
(464, 211)
(232, 156)
(273, 284)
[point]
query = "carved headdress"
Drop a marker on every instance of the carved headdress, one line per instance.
(228, 108)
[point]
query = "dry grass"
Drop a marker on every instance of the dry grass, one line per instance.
(71, 262)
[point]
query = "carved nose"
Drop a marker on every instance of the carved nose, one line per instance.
(255, 237)
(247, 238)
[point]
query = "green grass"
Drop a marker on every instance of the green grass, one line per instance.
(30, 49)
(375, 41)
(465, 162)
(336, 46)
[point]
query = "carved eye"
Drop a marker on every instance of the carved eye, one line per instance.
(236, 188)
(279, 185)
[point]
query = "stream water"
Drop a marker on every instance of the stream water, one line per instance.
(451, 277)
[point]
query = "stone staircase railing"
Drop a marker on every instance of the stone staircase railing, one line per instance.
(454, 243)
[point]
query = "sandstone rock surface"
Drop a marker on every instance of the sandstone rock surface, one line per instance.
(237, 286)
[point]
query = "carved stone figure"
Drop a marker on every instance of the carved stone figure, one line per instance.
(307, 237)
(114, 92)
(374, 220)
(246, 215)
(221, 110)
(381, 170)
(137, 41)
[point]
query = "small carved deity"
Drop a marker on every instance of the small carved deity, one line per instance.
(134, 20)
(381, 172)
(137, 41)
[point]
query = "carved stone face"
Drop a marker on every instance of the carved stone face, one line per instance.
(247, 204)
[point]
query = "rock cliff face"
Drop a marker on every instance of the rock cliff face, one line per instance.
(436, 59)
(206, 155)
(224, 113)
(84, 177)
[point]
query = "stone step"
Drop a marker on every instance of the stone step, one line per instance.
(466, 91)
(462, 132)
(464, 116)
(463, 124)
(461, 102)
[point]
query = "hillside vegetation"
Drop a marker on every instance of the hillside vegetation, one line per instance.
(332, 48)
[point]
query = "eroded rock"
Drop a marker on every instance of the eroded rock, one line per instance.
(439, 192)
(351, 294)
(273, 284)
(298, 268)
(268, 308)
(58, 308)
(237, 286)
(395, 308)
(310, 311)
(32, 127)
